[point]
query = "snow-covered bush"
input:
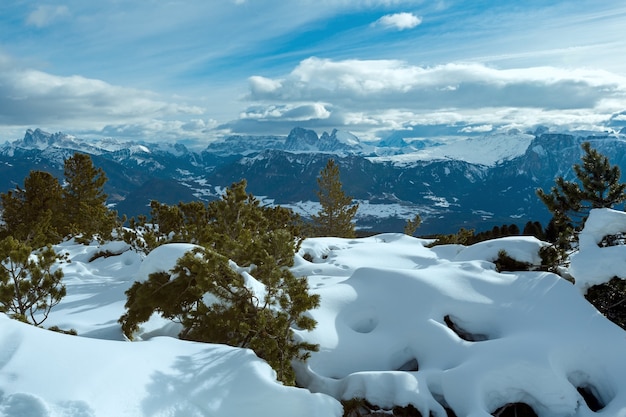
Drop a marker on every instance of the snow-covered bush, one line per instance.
(599, 266)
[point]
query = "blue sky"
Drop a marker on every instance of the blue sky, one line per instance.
(200, 69)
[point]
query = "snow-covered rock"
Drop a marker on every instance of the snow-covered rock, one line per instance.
(591, 264)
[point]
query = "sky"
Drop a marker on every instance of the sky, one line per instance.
(198, 70)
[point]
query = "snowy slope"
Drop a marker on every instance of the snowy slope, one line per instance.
(484, 150)
(537, 338)
(50, 374)
(43, 373)
(399, 323)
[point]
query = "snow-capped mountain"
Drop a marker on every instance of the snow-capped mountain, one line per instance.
(487, 150)
(475, 183)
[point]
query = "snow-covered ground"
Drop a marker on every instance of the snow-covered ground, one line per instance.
(484, 150)
(367, 209)
(398, 324)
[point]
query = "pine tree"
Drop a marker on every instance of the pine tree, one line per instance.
(31, 214)
(412, 225)
(337, 212)
(84, 200)
(169, 221)
(598, 186)
(569, 202)
(534, 229)
(209, 296)
(29, 288)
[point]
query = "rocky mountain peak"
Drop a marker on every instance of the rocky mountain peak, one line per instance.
(395, 140)
(300, 139)
(36, 138)
(40, 140)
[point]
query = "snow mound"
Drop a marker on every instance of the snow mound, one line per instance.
(452, 332)
(521, 248)
(163, 259)
(595, 265)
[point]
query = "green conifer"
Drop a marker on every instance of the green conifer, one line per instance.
(85, 211)
(337, 211)
(31, 214)
(412, 225)
(598, 186)
(29, 287)
(569, 202)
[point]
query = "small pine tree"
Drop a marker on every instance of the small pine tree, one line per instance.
(31, 214)
(569, 202)
(598, 186)
(169, 221)
(610, 300)
(534, 229)
(29, 288)
(504, 262)
(412, 225)
(337, 212)
(462, 237)
(85, 212)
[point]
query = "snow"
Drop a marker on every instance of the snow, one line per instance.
(486, 150)
(368, 209)
(594, 265)
(139, 149)
(347, 138)
(399, 323)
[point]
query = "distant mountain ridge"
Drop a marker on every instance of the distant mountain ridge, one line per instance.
(476, 183)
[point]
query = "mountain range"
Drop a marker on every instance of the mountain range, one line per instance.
(476, 183)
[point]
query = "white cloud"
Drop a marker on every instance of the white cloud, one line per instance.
(392, 83)
(480, 129)
(370, 95)
(157, 130)
(399, 21)
(45, 15)
(77, 95)
(31, 98)
(262, 85)
(290, 113)
(199, 125)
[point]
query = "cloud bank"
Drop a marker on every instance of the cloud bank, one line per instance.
(369, 95)
(35, 98)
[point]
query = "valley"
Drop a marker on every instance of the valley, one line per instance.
(476, 183)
